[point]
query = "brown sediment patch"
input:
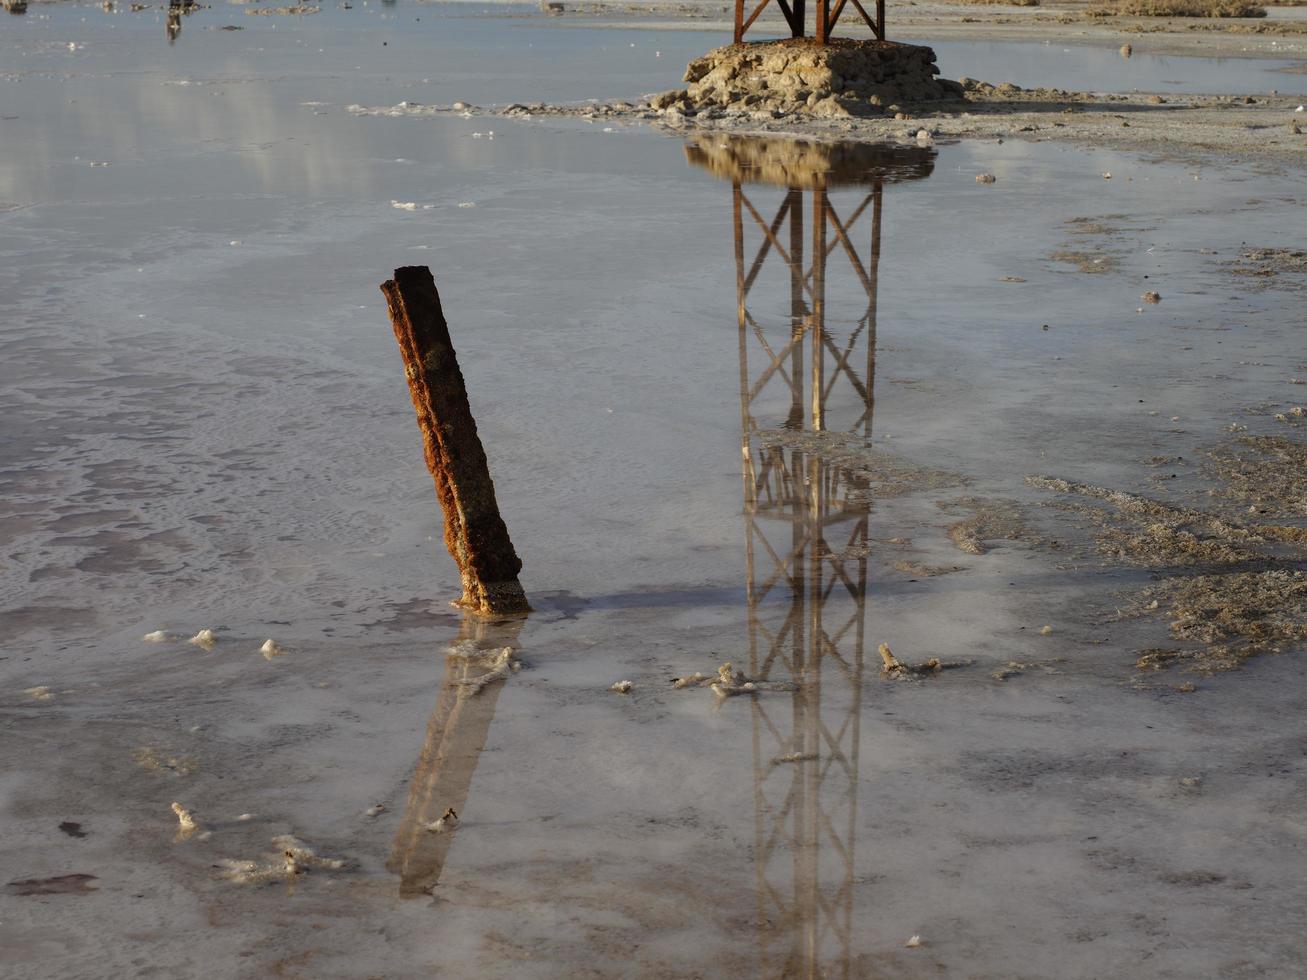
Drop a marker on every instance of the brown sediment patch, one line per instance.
(149, 759)
(1268, 264)
(1268, 472)
(1103, 224)
(1230, 590)
(1232, 616)
(990, 520)
(1094, 263)
(1178, 8)
(1148, 532)
(873, 473)
(920, 570)
(1014, 667)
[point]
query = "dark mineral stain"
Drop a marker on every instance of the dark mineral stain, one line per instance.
(62, 885)
(72, 829)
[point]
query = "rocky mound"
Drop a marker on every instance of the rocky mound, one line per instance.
(843, 78)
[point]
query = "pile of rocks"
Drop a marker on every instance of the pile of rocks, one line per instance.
(798, 76)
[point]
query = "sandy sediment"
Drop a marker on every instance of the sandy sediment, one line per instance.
(1198, 127)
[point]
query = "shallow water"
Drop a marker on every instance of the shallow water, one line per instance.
(1084, 68)
(206, 425)
(498, 54)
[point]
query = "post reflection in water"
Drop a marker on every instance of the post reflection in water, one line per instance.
(806, 519)
(176, 10)
(456, 734)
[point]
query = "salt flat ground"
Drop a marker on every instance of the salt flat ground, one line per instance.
(205, 425)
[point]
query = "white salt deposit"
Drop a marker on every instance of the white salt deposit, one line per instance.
(205, 639)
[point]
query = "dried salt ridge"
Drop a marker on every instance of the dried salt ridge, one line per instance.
(796, 76)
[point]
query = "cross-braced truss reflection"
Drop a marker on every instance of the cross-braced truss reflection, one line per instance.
(807, 387)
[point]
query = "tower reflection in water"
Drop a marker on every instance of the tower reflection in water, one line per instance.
(806, 393)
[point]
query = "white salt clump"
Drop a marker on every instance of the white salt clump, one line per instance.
(499, 662)
(158, 636)
(205, 639)
(404, 205)
(185, 819)
(1045, 631)
(246, 816)
(448, 821)
(271, 650)
(730, 681)
(294, 858)
(376, 810)
(913, 942)
(41, 693)
(622, 687)
(1298, 411)
(467, 204)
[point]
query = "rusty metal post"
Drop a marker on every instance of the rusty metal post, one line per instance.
(739, 21)
(822, 27)
(475, 534)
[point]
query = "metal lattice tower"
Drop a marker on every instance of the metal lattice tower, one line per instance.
(824, 20)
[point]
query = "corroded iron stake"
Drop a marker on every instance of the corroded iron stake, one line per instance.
(474, 532)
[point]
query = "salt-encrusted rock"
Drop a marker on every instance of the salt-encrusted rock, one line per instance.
(845, 77)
